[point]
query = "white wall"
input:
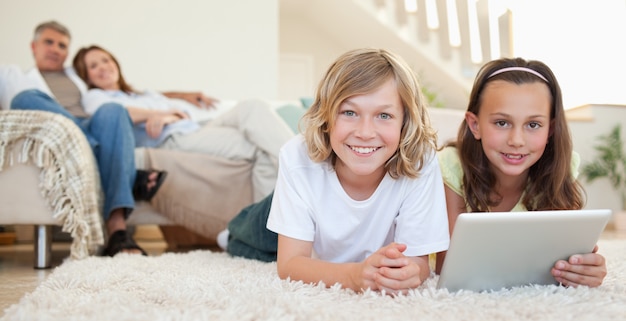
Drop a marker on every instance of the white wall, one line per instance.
(298, 38)
(227, 49)
(582, 41)
(325, 29)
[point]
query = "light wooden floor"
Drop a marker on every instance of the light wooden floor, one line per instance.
(18, 277)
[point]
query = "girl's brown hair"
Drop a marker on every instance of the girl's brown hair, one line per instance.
(360, 72)
(551, 185)
(81, 68)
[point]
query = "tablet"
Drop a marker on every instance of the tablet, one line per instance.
(491, 251)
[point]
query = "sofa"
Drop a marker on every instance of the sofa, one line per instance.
(48, 177)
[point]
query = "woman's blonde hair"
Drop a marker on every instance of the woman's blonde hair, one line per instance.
(359, 72)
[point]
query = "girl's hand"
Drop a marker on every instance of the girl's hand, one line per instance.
(156, 122)
(581, 269)
(390, 270)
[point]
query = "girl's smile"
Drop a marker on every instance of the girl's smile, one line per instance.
(514, 158)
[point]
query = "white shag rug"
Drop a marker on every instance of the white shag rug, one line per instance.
(202, 285)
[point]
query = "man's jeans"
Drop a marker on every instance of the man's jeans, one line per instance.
(110, 134)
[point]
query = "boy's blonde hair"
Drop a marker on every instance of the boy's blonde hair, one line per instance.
(359, 72)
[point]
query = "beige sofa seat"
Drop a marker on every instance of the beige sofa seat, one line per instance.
(48, 177)
(201, 192)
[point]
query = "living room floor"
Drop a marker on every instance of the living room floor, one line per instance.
(18, 277)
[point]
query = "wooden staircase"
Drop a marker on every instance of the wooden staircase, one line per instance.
(446, 55)
(456, 35)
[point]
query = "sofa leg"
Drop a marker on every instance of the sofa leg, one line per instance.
(43, 246)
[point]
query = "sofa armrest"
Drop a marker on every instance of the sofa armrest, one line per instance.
(68, 181)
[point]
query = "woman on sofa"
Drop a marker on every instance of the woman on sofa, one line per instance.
(250, 131)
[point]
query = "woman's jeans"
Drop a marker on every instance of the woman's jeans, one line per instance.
(110, 134)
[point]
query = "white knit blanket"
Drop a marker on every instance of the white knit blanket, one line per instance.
(202, 285)
(69, 179)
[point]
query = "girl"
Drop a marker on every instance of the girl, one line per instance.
(514, 152)
(250, 131)
(359, 198)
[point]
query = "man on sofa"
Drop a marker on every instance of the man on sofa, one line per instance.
(51, 87)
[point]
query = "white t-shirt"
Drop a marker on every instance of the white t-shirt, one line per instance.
(94, 98)
(309, 204)
(13, 81)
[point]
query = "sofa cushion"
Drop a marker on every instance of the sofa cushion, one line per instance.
(291, 114)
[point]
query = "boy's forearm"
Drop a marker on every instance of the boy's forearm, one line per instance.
(310, 270)
(423, 263)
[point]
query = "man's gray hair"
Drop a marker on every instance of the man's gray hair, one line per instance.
(51, 25)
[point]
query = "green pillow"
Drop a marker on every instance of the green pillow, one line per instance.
(307, 102)
(291, 114)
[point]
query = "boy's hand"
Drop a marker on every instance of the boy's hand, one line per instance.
(390, 270)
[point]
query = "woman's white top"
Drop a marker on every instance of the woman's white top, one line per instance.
(152, 100)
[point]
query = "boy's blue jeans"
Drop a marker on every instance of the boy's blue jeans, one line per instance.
(110, 135)
(249, 236)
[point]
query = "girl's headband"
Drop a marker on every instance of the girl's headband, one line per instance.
(499, 71)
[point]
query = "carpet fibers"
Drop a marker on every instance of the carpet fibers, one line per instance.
(203, 285)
